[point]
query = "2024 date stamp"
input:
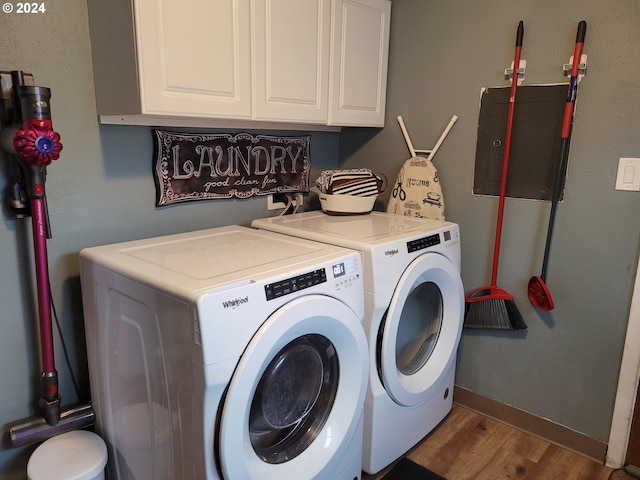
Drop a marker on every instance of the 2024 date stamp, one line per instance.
(28, 8)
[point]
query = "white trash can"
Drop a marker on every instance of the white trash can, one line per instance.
(75, 455)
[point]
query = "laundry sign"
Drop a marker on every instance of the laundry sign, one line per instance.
(191, 167)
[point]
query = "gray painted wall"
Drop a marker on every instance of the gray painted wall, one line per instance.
(565, 366)
(101, 190)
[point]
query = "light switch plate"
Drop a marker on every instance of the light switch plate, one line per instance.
(628, 177)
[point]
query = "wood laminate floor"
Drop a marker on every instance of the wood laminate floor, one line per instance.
(470, 446)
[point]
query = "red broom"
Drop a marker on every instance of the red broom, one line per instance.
(491, 306)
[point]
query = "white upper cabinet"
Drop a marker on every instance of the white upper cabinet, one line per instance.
(290, 48)
(194, 57)
(360, 50)
(261, 62)
(171, 58)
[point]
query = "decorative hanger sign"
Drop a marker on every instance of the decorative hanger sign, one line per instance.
(191, 167)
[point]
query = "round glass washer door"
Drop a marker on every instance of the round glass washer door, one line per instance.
(297, 394)
(421, 331)
(294, 398)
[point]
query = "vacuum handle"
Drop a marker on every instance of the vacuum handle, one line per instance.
(35, 143)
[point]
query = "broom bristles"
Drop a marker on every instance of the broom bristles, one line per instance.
(496, 310)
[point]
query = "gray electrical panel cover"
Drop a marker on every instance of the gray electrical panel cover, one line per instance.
(535, 140)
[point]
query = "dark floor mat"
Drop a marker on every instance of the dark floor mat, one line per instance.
(621, 475)
(406, 469)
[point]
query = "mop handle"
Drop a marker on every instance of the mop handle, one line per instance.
(564, 137)
(507, 148)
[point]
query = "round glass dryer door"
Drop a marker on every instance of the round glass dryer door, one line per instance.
(297, 394)
(419, 336)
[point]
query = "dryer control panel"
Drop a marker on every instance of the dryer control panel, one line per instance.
(424, 242)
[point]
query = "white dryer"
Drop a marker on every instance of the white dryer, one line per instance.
(414, 306)
(228, 353)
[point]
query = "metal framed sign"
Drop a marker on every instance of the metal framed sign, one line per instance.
(190, 167)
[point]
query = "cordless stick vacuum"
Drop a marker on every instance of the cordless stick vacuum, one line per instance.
(30, 139)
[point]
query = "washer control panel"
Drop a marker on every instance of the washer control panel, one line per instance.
(345, 273)
(341, 274)
(295, 284)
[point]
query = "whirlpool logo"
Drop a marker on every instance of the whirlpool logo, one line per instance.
(236, 302)
(391, 253)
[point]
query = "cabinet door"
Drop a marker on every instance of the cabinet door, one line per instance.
(193, 57)
(290, 60)
(359, 57)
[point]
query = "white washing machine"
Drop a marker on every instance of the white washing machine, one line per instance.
(228, 353)
(414, 306)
